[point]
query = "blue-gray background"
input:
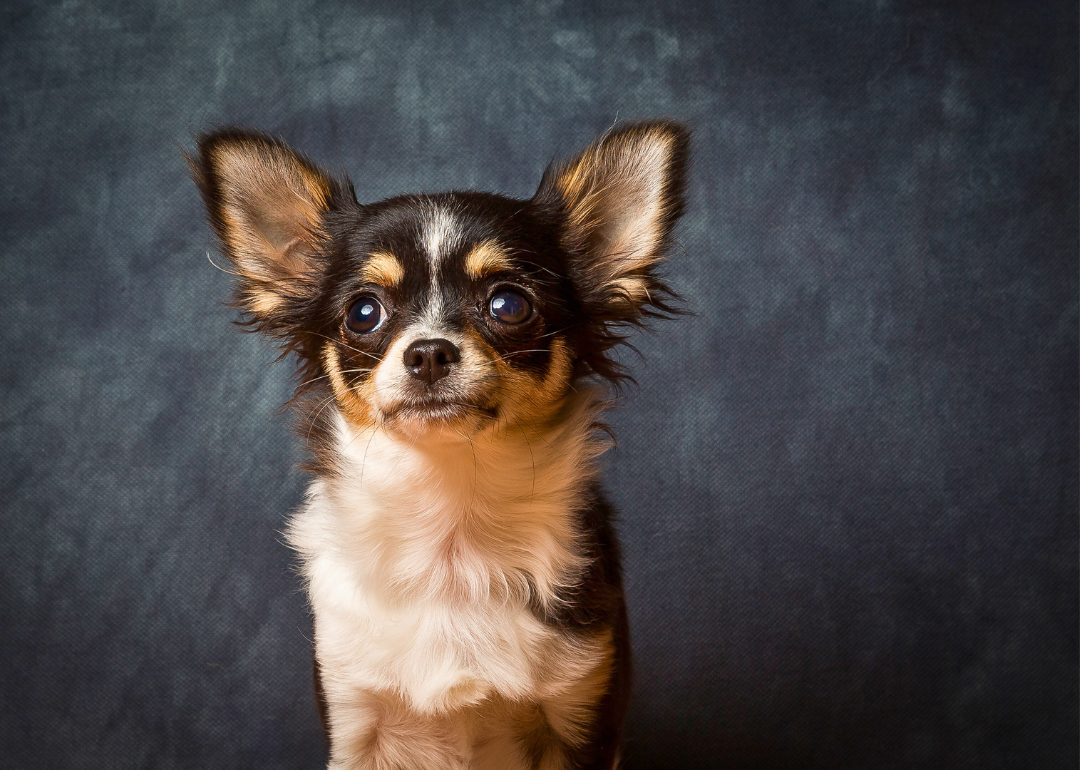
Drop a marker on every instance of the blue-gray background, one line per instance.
(848, 484)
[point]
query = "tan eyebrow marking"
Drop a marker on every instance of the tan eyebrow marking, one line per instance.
(382, 268)
(486, 257)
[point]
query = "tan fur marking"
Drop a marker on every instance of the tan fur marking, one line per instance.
(538, 397)
(498, 726)
(570, 714)
(558, 376)
(527, 400)
(486, 258)
(272, 205)
(379, 731)
(604, 160)
(263, 302)
(318, 189)
(547, 730)
(355, 404)
(616, 208)
(383, 268)
(244, 161)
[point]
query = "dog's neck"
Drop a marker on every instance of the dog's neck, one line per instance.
(492, 515)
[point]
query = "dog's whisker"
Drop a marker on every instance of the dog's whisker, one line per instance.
(338, 341)
(311, 424)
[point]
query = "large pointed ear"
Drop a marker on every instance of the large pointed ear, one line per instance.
(269, 206)
(619, 200)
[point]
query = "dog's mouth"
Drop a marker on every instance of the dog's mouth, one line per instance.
(438, 411)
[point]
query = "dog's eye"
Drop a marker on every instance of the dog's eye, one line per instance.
(510, 307)
(365, 315)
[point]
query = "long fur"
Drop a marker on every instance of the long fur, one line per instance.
(459, 555)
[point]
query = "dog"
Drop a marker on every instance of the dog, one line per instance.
(455, 355)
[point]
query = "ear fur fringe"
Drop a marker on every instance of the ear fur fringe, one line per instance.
(269, 206)
(617, 203)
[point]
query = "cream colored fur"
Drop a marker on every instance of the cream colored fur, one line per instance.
(422, 556)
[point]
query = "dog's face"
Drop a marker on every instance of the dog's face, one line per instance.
(448, 313)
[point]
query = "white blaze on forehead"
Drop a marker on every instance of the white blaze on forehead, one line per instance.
(441, 234)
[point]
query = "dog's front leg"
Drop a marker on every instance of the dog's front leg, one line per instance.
(370, 731)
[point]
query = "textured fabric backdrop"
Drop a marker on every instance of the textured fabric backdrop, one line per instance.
(848, 483)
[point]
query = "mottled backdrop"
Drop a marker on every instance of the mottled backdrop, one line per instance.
(848, 482)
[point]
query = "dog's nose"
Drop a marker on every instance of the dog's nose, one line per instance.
(429, 360)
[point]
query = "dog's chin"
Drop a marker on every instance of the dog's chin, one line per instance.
(451, 420)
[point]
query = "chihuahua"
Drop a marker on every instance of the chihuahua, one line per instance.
(455, 354)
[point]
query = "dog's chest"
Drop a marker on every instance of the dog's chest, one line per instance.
(428, 596)
(439, 656)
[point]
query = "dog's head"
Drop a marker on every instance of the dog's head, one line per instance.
(457, 309)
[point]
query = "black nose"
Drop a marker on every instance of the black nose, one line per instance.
(429, 360)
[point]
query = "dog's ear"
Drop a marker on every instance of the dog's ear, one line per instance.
(617, 203)
(269, 206)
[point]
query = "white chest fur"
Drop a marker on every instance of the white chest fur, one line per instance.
(422, 559)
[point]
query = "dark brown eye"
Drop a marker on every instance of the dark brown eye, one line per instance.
(510, 307)
(365, 315)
